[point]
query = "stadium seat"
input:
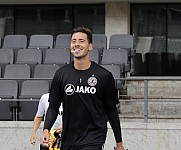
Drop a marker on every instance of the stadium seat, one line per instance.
(116, 57)
(34, 89)
(116, 72)
(41, 41)
(57, 56)
(29, 56)
(122, 41)
(45, 70)
(6, 56)
(9, 89)
(99, 42)
(30, 93)
(94, 55)
(15, 41)
(8, 92)
(17, 71)
(0, 72)
(63, 41)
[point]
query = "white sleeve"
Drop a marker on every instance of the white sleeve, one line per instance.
(43, 105)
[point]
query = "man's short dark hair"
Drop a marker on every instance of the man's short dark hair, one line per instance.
(85, 30)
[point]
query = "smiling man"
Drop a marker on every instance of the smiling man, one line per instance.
(88, 94)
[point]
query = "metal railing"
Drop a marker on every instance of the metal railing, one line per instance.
(146, 95)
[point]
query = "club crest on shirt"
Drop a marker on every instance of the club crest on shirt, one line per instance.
(92, 81)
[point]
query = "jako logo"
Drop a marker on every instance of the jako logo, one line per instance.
(70, 89)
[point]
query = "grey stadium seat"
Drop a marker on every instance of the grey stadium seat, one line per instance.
(31, 91)
(116, 57)
(122, 41)
(116, 72)
(94, 55)
(29, 56)
(8, 92)
(41, 41)
(15, 41)
(57, 56)
(17, 71)
(45, 70)
(34, 89)
(0, 72)
(9, 89)
(6, 56)
(63, 41)
(99, 42)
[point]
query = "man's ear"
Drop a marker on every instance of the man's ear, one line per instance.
(90, 46)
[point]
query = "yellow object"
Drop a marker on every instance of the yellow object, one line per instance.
(54, 140)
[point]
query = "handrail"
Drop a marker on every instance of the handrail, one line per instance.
(146, 97)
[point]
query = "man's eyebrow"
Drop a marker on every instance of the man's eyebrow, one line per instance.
(77, 39)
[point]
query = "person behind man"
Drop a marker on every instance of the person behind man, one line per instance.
(42, 108)
(88, 94)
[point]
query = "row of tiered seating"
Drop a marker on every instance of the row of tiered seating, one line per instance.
(61, 57)
(36, 63)
(63, 41)
(19, 100)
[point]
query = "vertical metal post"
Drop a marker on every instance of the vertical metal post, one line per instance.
(145, 101)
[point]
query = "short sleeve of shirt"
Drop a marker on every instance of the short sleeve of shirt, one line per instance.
(43, 105)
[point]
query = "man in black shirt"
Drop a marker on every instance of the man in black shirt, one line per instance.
(88, 94)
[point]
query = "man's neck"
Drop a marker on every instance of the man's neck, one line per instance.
(82, 64)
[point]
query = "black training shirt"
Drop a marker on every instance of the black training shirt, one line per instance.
(88, 98)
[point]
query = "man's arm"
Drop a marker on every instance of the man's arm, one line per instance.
(36, 125)
(110, 97)
(50, 118)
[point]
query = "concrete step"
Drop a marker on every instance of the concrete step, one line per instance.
(156, 109)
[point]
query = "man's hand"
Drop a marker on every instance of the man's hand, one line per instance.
(119, 146)
(33, 138)
(59, 129)
(44, 140)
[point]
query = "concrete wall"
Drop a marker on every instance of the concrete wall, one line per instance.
(137, 136)
(117, 18)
